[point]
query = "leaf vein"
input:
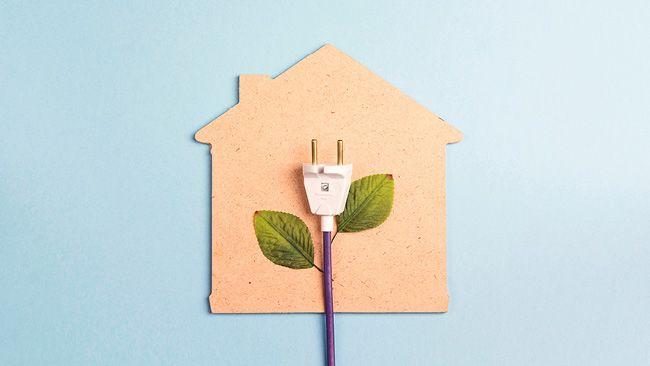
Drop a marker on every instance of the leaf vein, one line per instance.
(363, 204)
(288, 238)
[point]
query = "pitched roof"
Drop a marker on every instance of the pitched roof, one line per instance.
(328, 60)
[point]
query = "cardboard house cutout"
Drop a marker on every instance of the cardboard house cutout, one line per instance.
(258, 148)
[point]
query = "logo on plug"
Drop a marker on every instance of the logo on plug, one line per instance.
(324, 187)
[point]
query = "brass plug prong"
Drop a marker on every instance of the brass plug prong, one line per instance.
(314, 151)
(339, 152)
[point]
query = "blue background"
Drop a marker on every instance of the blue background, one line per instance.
(104, 211)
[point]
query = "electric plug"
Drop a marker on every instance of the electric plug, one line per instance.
(327, 186)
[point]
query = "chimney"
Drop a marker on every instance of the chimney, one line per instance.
(250, 86)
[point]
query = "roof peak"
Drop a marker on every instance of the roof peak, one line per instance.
(322, 54)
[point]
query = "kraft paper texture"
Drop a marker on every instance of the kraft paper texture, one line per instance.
(258, 148)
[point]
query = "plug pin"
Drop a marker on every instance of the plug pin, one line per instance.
(314, 151)
(339, 152)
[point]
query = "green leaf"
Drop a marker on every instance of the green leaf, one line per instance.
(369, 203)
(284, 239)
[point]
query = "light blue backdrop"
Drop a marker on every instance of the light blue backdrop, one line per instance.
(104, 195)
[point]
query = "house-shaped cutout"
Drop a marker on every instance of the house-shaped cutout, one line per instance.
(258, 148)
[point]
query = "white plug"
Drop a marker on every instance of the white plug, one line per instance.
(327, 186)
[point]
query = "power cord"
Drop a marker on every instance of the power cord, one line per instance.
(327, 188)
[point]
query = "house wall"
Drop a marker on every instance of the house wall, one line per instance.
(397, 267)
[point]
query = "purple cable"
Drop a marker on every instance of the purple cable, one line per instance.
(329, 300)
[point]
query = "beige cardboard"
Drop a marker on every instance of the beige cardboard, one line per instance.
(258, 148)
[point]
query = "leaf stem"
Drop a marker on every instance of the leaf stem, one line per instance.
(334, 237)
